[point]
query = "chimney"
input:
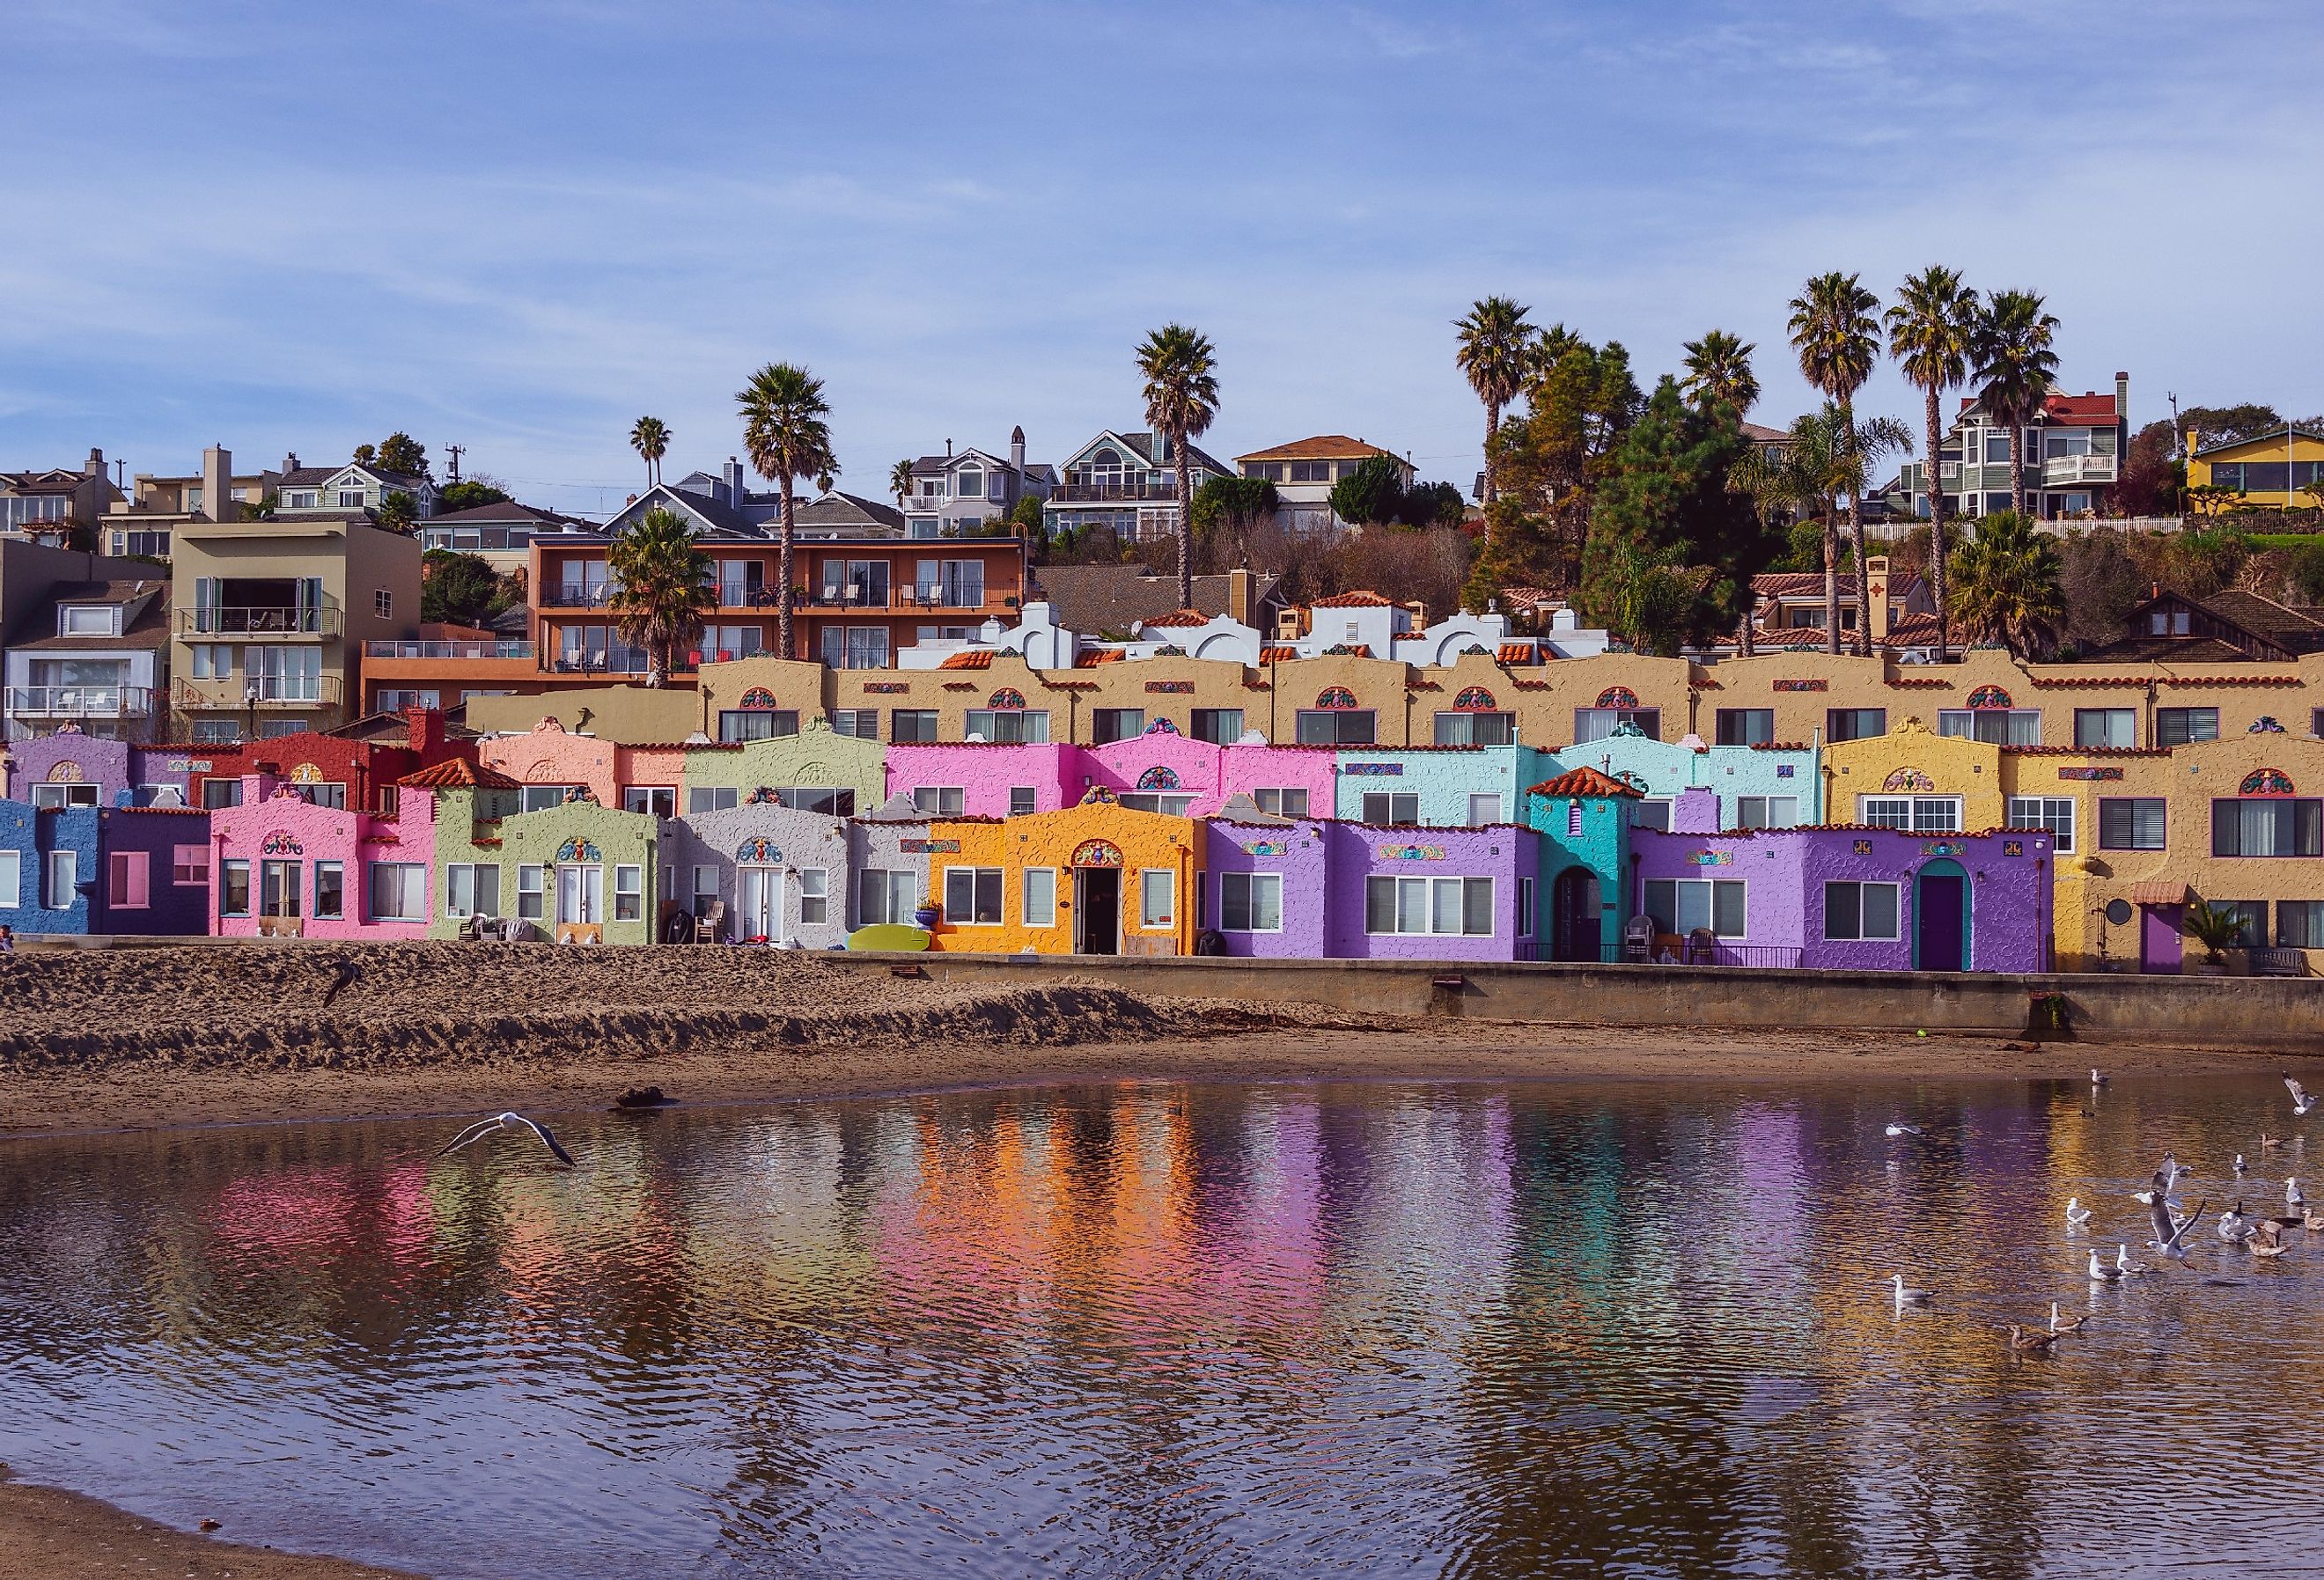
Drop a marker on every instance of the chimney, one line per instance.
(948, 449)
(1016, 447)
(95, 465)
(218, 484)
(1875, 568)
(1240, 581)
(737, 491)
(2122, 397)
(289, 463)
(424, 730)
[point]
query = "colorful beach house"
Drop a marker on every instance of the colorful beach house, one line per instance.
(69, 769)
(1436, 787)
(815, 770)
(766, 873)
(578, 871)
(1766, 785)
(1094, 878)
(285, 865)
(48, 868)
(1582, 818)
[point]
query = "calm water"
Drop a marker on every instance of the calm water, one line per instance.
(1159, 1329)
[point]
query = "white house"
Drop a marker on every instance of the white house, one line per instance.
(954, 495)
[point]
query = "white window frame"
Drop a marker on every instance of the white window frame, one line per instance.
(1767, 812)
(938, 800)
(1155, 882)
(975, 877)
(1709, 887)
(1922, 813)
(1276, 800)
(1949, 721)
(1364, 807)
(1038, 909)
(63, 874)
(1433, 892)
(459, 878)
(2054, 815)
(1493, 809)
(532, 891)
(1251, 884)
(417, 911)
(814, 896)
(12, 880)
(339, 911)
(884, 878)
(629, 891)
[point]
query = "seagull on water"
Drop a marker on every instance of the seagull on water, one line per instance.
(2302, 1101)
(2292, 1199)
(2235, 1224)
(1905, 1297)
(2102, 1274)
(1899, 1128)
(2123, 1266)
(2062, 1324)
(2098, 1076)
(2242, 1167)
(2169, 1234)
(514, 1123)
(2077, 1214)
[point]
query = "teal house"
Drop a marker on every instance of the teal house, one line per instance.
(1757, 787)
(1583, 817)
(1441, 787)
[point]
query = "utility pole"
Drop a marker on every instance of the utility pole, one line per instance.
(455, 451)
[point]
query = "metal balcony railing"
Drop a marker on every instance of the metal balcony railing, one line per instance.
(615, 660)
(1098, 491)
(79, 701)
(1700, 950)
(262, 691)
(447, 650)
(574, 596)
(261, 620)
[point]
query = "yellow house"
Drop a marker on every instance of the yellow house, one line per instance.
(2099, 805)
(1912, 779)
(1092, 878)
(2270, 470)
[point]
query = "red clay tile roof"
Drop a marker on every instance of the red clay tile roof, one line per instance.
(1583, 782)
(459, 774)
(1277, 655)
(1516, 652)
(1104, 655)
(2086, 750)
(1353, 601)
(1182, 618)
(974, 658)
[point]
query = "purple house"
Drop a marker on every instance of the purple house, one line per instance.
(1305, 887)
(69, 769)
(155, 876)
(1845, 898)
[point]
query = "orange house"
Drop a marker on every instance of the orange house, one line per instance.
(1094, 878)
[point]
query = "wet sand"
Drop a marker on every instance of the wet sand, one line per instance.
(49, 1535)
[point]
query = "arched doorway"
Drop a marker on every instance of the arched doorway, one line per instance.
(1575, 905)
(1941, 918)
(1097, 898)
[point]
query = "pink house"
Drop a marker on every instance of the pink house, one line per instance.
(974, 778)
(550, 760)
(283, 867)
(1160, 771)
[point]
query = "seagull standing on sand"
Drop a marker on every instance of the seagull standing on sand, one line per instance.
(514, 1123)
(2302, 1104)
(1905, 1297)
(2077, 1214)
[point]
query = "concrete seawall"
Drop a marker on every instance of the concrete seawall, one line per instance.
(2208, 1011)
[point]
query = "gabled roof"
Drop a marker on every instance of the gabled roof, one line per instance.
(708, 515)
(304, 477)
(459, 774)
(1583, 782)
(848, 512)
(506, 510)
(1324, 446)
(145, 623)
(2280, 435)
(1760, 433)
(1141, 445)
(1180, 617)
(1355, 600)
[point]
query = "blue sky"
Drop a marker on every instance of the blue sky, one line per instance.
(518, 225)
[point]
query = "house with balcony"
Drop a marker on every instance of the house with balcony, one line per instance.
(500, 534)
(350, 490)
(157, 506)
(46, 505)
(2072, 451)
(2281, 469)
(1304, 472)
(93, 659)
(954, 495)
(1126, 483)
(269, 620)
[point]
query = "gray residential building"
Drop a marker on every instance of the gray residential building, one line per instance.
(955, 494)
(1125, 482)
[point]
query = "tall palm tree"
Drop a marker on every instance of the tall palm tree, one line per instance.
(788, 438)
(1718, 372)
(1932, 332)
(1495, 352)
(1837, 340)
(2006, 587)
(649, 437)
(900, 482)
(1182, 396)
(664, 587)
(1825, 457)
(2016, 356)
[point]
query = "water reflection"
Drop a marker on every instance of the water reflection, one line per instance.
(1471, 1330)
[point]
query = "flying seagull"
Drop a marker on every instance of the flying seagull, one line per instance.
(2170, 1237)
(512, 1123)
(2301, 1101)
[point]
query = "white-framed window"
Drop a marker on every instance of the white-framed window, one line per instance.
(706, 890)
(12, 880)
(234, 887)
(532, 891)
(330, 890)
(1652, 812)
(539, 797)
(1476, 729)
(1009, 726)
(211, 661)
(1391, 807)
(885, 895)
(332, 796)
(757, 723)
(64, 877)
(1912, 814)
(2106, 726)
(1337, 727)
(51, 797)
(815, 895)
(1681, 905)
(1171, 806)
(1040, 893)
(472, 889)
(1767, 811)
(216, 732)
(383, 603)
(1595, 723)
(711, 798)
(1861, 911)
(88, 620)
(2052, 813)
(1157, 898)
(629, 891)
(862, 724)
(1484, 809)
(1022, 799)
(1250, 902)
(654, 800)
(2017, 727)
(1282, 801)
(351, 499)
(399, 891)
(972, 896)
(300, 499)
(938, 800)
(1428, 905)
(1109, 725)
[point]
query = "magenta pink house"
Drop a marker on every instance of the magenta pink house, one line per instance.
(1160, 771)
(975, 779)
(282, 867)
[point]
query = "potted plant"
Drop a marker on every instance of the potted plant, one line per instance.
(925, 918)
(2217, 928)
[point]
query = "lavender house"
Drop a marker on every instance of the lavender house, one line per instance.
(69, 769)
(1843, 899)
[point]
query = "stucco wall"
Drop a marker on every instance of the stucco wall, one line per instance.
(538, 839)
(306, 835)
(816, 758)
(1910, 760)
(796, 842)
(1443, 776)
(1661, 769)
(1295, 850)
(33, 835)
(171, 908)
(1356, 853)
(881, 845)
(985, 773)
(1146, 841)
(549, 754)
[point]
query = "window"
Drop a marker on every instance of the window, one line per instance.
(815, 895)
(152, 545)
(234, 888)
(539, 797)
(1484, 809)
(705, 891)
(2166, 623)
(2106, 726)
(938, 800)
(1996, 448)
(972, 896)
(1041, 897)
(399, 891)
(1311, 471)
(1284, 802)
(2176, 727)
(2298, 923)
(211, 661)
(216, 732)
(54, 796)
(1116, 723)
(656, 801)
(1681, 905)
(1476, 729)
(711, 798)
(1157, 898)
(331, 795)
(968, 483)
(2131, 823)
(12, 880)
(1524, 908)
(1860, 911)
(2019, 726)
(1173, 806)
(830, 802)
(951, 584)
(1429, 905)
(1595, 723)
(351, 499)
(1022, 799)
(1391, 807)
(912, 725)
(884, 895)
(383, 603)
(629, 893)
(1767, 811)
(1352, 726)
(2250, 917)
(1653, 812)
(472, 889)
(2269, 827)
(1220, 727)
(1250, 902)
(1011, 726)
(1912, 814)
(1746, 726)
(403, 700)
(189, 866)
(88, 620)
(862, 724)
(330, 890)
(2054, 813)
(129, 877)
(220, 793)
(1854, 724)
(856, 647)
(531, 890)
(757, 723)
(64, 877)
(299, 499)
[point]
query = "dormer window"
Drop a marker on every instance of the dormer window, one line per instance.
(88, 620)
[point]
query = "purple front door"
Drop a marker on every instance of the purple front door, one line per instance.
(2160, 944)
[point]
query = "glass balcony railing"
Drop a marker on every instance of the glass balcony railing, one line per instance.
(447, 650)
(79, 701)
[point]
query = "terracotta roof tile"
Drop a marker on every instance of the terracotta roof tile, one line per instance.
(1277, 655)
(1324, 446)
(973, 659)
(1583, 782)
(1104, 655)
(1357, 600)
(1181, 617)
(1516, 652)
(459, 774)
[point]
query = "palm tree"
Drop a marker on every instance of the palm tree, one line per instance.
(1837, 340)
(1932, 334)
(900, 482)
(664, 586)
(1181, 396)
(1826, 457)
(1496, 353)
(1718, 372)
(2005, 588)
(649, 437)
(2016, 359)
(786, 437)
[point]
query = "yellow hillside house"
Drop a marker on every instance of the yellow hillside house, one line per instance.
(2269, 470)
(1094, 879)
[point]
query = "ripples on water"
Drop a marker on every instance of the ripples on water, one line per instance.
(1450, 1329)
